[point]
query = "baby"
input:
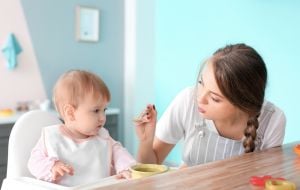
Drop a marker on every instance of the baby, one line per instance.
(80, 150)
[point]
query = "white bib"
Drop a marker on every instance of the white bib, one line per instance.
(91, 159)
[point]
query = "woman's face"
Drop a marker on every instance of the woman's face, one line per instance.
(211, 102)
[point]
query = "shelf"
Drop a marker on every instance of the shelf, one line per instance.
(13, 118)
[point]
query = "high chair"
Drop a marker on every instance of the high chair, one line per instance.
(23, 137)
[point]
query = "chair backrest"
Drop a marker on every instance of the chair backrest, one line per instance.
(23, 137)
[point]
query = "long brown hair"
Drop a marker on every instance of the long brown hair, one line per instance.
(241, 75)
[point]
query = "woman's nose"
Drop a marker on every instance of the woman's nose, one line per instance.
(202, 97)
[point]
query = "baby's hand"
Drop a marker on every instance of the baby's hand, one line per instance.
(125, 174)
(60, 169)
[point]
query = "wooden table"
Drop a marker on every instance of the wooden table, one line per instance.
(226, 174)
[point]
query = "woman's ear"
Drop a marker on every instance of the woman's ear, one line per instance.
(69, 112)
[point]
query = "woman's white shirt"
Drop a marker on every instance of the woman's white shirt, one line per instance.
(201, 140)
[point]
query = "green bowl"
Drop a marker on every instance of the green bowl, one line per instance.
(144, 170)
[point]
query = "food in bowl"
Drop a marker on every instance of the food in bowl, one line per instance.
(144, 170)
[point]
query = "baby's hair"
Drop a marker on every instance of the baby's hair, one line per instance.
(72, 87)
(241, 75)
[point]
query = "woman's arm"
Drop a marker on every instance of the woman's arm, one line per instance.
(170, 128)
(151, 150)
(155, 152)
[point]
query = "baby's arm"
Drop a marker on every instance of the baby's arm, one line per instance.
(44, 167)
(39, 164)
(122, 159)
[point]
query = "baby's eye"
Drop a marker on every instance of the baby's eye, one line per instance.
(99, 110)
(200, 81)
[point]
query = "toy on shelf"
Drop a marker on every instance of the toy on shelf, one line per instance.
(6, 112)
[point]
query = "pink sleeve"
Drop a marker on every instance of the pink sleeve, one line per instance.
(121, 158)
(39, 163)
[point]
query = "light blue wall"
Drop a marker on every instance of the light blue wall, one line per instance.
(51, 26)
(188, 31)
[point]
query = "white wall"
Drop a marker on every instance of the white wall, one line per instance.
(139, 63)
(24, 83)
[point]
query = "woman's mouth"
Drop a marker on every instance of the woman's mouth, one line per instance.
(201, 110)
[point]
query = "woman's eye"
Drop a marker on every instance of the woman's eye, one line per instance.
(215, 99)
(200, 83)
(96, 110)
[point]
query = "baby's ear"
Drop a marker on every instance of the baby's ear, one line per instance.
(69, 112)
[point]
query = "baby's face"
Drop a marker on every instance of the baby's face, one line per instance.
(90, 116)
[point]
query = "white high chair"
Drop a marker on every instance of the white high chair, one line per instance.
(23, 137)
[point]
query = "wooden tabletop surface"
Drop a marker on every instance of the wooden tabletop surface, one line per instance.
(226, 174)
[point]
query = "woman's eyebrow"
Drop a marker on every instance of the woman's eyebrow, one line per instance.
(216, 94)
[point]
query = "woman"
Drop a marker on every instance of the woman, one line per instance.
(224, 115)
